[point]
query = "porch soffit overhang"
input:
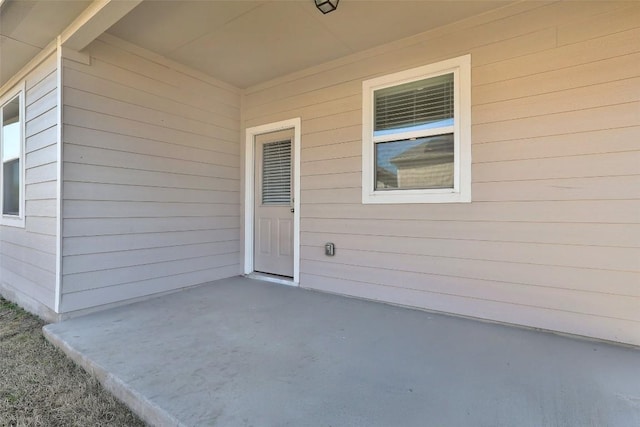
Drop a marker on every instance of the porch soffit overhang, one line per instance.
(240, 43)
(85, 27)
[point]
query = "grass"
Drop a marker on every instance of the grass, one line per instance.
(40, 386)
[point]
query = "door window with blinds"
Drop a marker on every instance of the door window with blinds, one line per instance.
(276, 173)
(11, 152)
(416, 135)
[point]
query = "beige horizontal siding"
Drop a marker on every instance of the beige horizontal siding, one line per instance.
(430, 268)
(583, 98)
(522, 313)
(582, 211)
(79, 209)
(580, 256)
(104, 174)
(601, 165)
(143, 288)
(583, 234)
(412, 276)
(593, 119)
(42, 225)
(167, 78)
(41, 156)
(28, 255)
(225, 116)
(104, 105)
(105, 278)
(40, 173)
(122, 242)
(566, 188)
(136, 193)
(582, 143)
(592, 188)
(114, 226)
(124, 160)
(581, 52)
(552, 236)
(42, 139)
(151, 178)
(106, 123)
(137, 257)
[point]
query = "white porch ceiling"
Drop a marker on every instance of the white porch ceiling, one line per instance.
(26, 27)
(242, 42)
(247, 42)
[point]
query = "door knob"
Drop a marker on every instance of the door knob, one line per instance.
(292, 210)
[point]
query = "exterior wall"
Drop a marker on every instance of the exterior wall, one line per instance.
(551, 237)
(151, 177)
(28, 255)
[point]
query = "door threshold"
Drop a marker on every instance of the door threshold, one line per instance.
(271, 278)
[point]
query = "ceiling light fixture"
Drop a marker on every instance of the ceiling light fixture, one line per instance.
(326, 6)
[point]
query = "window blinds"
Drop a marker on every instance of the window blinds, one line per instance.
(276, 173)
(414, 103)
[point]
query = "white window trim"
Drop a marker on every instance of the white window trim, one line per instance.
(15, 220)
(461, 193)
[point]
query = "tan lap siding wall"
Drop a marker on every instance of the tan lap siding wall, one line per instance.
(28, 255)
(151, 178)
(551, 239)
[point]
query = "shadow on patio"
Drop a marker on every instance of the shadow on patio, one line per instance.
(240, 352)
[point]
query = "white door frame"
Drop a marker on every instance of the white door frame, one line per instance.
(249, 191)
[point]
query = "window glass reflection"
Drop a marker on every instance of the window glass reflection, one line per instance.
(421, 163)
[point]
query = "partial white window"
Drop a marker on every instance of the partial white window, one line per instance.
(12, 156)
(416, 140)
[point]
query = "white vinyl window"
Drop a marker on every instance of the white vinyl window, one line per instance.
(12, 156)
(416, 140)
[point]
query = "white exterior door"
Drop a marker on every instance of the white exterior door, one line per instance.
(273, 227)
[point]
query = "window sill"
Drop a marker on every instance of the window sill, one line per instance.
(414, 196)
(12, 221)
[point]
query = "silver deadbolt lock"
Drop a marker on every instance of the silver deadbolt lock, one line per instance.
(329, 249)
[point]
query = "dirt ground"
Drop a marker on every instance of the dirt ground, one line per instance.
(40, 386)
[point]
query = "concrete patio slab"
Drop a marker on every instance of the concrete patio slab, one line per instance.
(241, 352)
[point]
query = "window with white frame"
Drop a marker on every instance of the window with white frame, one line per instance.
(416, 140)
(12, 156)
